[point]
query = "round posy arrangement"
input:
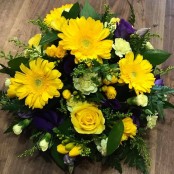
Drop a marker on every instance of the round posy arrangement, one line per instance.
(87, 86)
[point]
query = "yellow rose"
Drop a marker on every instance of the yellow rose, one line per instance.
(130, 129)
(87, 119)
(75, 151)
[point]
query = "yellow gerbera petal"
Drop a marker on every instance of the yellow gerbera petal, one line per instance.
(37, 84)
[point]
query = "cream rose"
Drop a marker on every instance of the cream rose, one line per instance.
(87, 119)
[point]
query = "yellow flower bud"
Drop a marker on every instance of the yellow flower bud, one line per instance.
(114, 80)
(106, 82)
(69, 146)
(50, 51)
(34, 41)
(75, 151)
(66, 94)
(104, 88)
(111, 92)
(66, 141)
(61, 149)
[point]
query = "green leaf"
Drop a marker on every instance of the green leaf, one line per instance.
(168, 105)
(57, 157)
(160, 110)
(15, 63)
(48, 37)
(73, 13)
(114, 137)
(156, 57)
(7, 70)
(88, 11)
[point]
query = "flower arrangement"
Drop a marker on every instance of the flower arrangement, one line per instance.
(87, 86)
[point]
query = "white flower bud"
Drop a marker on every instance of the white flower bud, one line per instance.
(1, 67)
(102, 146)
(43, 144)
(7, 82)
(151, 121)
(17, 129)
(149, 46)
(140, 100)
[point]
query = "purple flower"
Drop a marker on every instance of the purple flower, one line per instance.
(159, 81)
(25, 114)
(46, 120)
(136, 112)
(111, 103)
(68, 160)
(124, 30)
(68, 64)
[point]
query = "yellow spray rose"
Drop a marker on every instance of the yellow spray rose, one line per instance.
(130, 129)
(87, 119)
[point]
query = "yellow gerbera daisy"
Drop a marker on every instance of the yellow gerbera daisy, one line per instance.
(137, 73)
(37, 84)
(54, 18)
(85, 38)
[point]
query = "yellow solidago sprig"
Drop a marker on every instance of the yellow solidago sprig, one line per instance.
(136, 72)
(86, 39)
(36, 84)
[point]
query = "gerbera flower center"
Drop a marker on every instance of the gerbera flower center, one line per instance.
(86, 43)
(38, 82)
(134, 74)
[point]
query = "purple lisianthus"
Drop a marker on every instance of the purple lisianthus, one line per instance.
(159, 81)
(46, 120)
(136, 112)
(124, 30)
(111, 103)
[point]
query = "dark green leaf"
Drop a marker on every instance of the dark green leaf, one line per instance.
(73, 13)
(48, 37)
(160, 110)
(88, 11)
(15, 63)
(7, 70)
(132, 15)
(57, 157)
(156, 57)
(114, 137)
(168, 105)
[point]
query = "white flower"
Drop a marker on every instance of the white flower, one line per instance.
(139, 100)
(149, 46)
(71, 103)
(7, 82)
(151, 121)
(43, 144)
(112, 25)
(1, 67)
(85, 83)
(17, 129)
(121, 47)
(102, 146)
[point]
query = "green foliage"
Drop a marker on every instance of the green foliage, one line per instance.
(138, 43)
(132, 14)
(57, 157)
(29, 152)
(114, 137)
(156, 57)
(107, 14)
(48, 37)
(157, 99)
(39, 22)
(18, 43)
(73, 13)
(160, 71)
(88, 11)
(14, 64)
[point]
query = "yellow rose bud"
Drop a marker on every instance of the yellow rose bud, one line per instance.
(60, 52)
(106, 82)
(34, 41)
(111, 92)
(114, 80)
(69, 146)
(66, 94)
(61, 149)
(50, 51)
(75, 151)
(130, 129)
